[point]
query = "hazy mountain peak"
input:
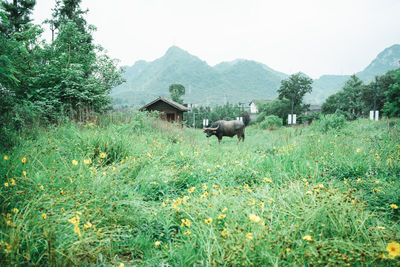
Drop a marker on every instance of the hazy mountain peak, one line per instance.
(386, 60)
(174, 51)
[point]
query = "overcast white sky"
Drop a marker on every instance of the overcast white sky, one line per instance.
(313, 36)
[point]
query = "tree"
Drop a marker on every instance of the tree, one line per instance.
(177, 90)
(348, 101)
(392, 104)
(17, 14)
(277, 107)
(294, 88)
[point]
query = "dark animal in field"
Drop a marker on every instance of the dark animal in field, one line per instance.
(226, 128)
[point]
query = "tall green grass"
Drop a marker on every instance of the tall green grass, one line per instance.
(134, 190)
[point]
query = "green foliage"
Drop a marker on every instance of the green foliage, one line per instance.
(177, 91)
(392, 104)
(290, 197)
(16, 14)
(277, 107)
(68, 77)
(294, 88)
(330, 122)
(355, 100)
(271, 122)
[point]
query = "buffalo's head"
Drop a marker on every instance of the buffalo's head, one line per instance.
(210, 131)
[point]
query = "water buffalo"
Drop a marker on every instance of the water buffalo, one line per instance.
(226, 128)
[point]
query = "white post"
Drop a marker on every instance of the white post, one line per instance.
(371, 115)
(292, 119)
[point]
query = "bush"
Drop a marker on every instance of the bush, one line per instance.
(271, 122)
(330, 122)
(308, 118)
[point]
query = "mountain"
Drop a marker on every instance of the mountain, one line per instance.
(236, 81)
(326, 85)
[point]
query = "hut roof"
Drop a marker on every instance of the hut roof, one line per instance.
(168, 101)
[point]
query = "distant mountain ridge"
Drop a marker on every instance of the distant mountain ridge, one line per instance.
(236, 81)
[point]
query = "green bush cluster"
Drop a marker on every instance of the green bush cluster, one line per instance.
(329, 122)
(271, 122)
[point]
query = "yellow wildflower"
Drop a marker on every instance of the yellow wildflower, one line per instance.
(204, 186)
(208, 170)
(102, 155)
(15, 210)
(24, 173)
(196, 153)
(249, 236)
(87, 225)
(23, 160)
(381, 227)
(41, 187)
(74, 162)
(221, 216)
(187, 233)
(75, 222)
(185, 222)
(191, 190)
(204, 195)
(5, 157)
(225, 209)
(6, 184)
(208, 221)
(307, 237)
(12, 181)
(87, 161)
(44, 216)
(8, 248)
(254, 218)
(394, 249)
(394, 206)
(224, 233)
(157, 243)
(267, 180)
(288, 249)
(358, 150)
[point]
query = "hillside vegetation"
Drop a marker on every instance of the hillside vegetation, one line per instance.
(130, 190)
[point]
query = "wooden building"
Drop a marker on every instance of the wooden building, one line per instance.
(170, 110)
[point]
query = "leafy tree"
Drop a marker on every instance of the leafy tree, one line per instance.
(392, 104)
(348, 101)
(294, 88)
(177, 91)
(277, 107)
(17, 13)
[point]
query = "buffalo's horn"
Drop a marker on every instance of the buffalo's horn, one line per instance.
(214, 129)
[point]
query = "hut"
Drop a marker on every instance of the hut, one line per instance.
(171, 111)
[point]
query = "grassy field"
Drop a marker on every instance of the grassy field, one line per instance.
(131, 190)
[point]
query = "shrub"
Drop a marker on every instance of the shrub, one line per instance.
(271, 122)
(330, 122)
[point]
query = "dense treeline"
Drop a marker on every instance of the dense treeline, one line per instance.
(356, 99)
(42, 82)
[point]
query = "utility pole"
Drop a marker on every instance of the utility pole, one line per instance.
(376, 85)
